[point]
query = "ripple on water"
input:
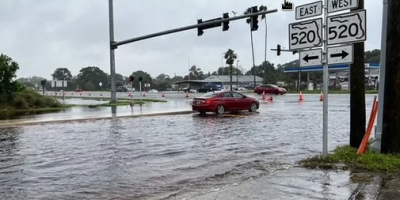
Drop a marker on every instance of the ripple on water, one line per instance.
(155, 156)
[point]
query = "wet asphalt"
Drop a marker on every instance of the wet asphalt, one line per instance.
(240, 156)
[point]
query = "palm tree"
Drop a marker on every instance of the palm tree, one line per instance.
(194, 72)
(264, 17)
(230, 57)
(248, 21)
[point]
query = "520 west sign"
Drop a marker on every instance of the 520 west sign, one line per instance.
(305, 34)
(347, 28)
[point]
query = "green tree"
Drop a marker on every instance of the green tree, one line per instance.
(119, 80)
(230, 57)
(248, 21)
(8, 86)
(62, 74)
(94, 75)
(373, 56)
(146, 78)
(357, 93)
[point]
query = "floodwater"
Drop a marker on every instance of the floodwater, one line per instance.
(83, 112)
(158, 157)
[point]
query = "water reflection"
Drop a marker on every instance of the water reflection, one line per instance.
(11, 162)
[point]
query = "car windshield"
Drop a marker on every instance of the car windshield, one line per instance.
(209, 94)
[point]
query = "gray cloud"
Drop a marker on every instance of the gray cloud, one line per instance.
(45, 34)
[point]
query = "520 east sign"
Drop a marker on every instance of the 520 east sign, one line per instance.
(347, 28)
(305, 34)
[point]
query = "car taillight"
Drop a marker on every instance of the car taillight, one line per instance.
(207, 101)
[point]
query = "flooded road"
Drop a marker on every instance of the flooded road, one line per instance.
(156, 157)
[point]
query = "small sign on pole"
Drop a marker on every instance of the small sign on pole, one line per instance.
(305, 34)
(309, 10)
(339, 5)
(311, 57)
(340, 54)
(347, 28)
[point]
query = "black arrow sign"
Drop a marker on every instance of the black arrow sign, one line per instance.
(343, 55)
(307, 58)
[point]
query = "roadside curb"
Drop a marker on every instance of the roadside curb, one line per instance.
(19, 123)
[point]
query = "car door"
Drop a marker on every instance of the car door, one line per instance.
(240, 102)
(228, 100)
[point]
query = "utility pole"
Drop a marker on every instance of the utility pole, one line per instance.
(391, 105)
(357, 92)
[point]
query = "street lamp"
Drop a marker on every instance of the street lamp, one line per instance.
(237, 74)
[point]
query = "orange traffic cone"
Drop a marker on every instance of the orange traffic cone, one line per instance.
(301, 97)
(187, 94)
(163, 95)
(321, 97)
(144, 94)
(129, 95)
(264, 97)
(270, 99)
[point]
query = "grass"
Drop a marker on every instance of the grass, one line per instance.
(119, 103)
(346, 157)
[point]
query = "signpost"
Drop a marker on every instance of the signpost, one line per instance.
(339, 5)
(340, 54)
(310, 58)
(338, 29)
(305, 34)
(309, 10)
(347, 28)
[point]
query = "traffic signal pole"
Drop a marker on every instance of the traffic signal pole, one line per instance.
(114, 45)
(112, 54)
(185, 28)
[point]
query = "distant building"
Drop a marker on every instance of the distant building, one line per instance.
(223, 80)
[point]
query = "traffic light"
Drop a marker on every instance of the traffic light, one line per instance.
(254, 19)
(225, 25)
(199, 29)
(278, 50)
(131, 78)
(140, 79)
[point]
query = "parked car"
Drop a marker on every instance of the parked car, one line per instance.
(153, 91)
(122, 89)
(222, 101)
(208, 88)
(269, 89)
(78, 89)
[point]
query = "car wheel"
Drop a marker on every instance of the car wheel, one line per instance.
(253, 107)
(220, 109)
(276, 93)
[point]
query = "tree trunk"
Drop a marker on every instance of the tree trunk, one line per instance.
(230, 74)
(391, 107)
(357, 93)
(252, 51)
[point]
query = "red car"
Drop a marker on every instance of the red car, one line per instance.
(269, 89)
(221, 101)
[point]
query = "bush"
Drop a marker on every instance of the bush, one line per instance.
(20, 103)
(29, 98)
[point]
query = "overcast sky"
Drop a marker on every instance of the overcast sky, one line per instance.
(42, 35)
